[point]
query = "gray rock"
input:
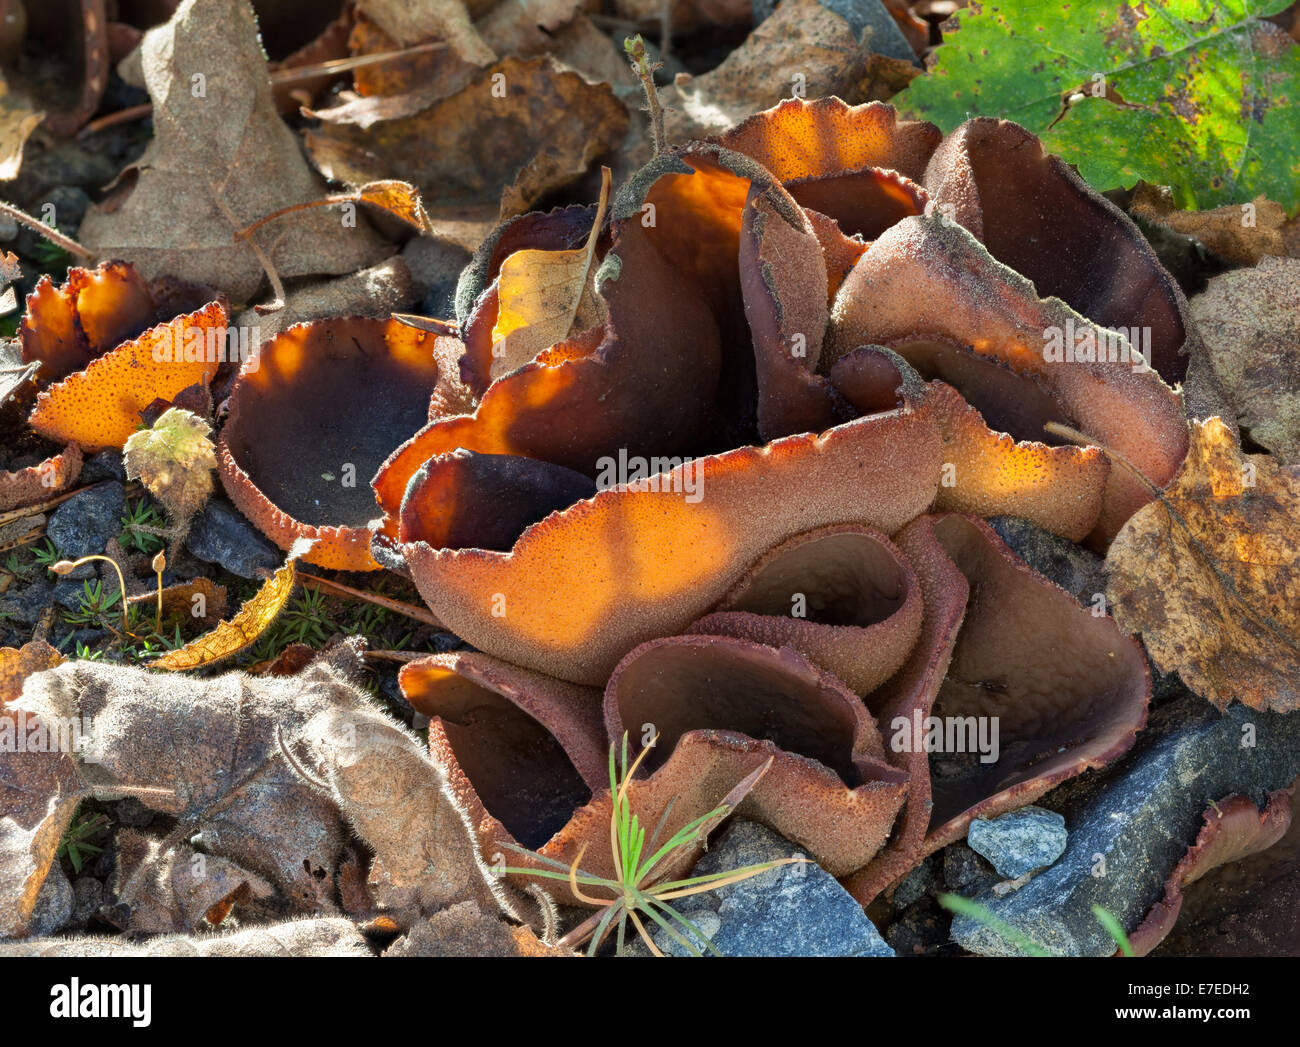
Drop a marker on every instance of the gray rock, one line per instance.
(89, 163)
(915, 885)
(83, 524)
(87, 896)
(1129, 826)
(1020, 841)
(106, 465)
(920, 930)
(794, 910)
(222, 536)
(886, 37)
(68, 592)
(966, 872)
(26, 604)
(1079, 572)
(53, 904)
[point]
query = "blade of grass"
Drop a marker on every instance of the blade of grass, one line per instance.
(712, 881)
(965, 907)
(1115, 929)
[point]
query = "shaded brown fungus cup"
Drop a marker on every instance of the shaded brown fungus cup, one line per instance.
(1040, 689)
(1001, 649)
(523, 750)
(582, 587)
(311, 415)
(816, 319)
(1017, 255)
(843, 596)
(527, 755)
(1233, 829)
(1029, 209)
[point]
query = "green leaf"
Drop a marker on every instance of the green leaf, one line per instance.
(1200, 95)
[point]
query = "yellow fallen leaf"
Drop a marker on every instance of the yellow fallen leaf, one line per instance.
(544, 296)
(1206, 573)
(18, 663)
(400, 199)
(252, 620)
(174, 459)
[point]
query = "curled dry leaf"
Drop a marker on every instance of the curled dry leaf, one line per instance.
(241, 631)
(1205, 574)
(399, 199)
(265, 775)
(544, 296)
(464, 929)
(18, 119)
(38, 794)
(802, 42)
(200, 599)
(1251, 329)
(14, 372)
(167, 889)
(220, 159)
(1237, 233)
(410, 21)
(519, 130)
(331, 936)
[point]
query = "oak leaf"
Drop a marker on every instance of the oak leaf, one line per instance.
(1206, 574)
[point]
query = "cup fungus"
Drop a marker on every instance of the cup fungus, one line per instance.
(300, 438)
(830, 340)
(109, 346)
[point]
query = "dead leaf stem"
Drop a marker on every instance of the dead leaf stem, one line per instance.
(49, 232)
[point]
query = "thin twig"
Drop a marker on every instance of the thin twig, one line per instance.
(278, 77)
(325, 201)
(49, 232)
(389, 604)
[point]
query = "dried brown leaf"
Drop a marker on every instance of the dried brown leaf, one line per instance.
(412, 21)
(544, 296)
(220, 159)
(1206, 574)
(266, 776)
(18, 119)
(800, 43)
(1237, 233)
(519, 130)
(331, 936)
(1251, 329)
